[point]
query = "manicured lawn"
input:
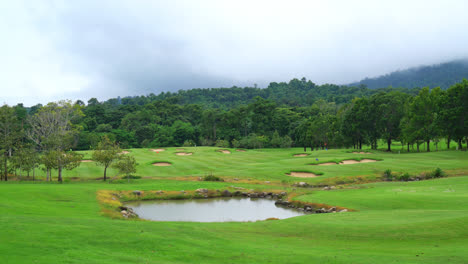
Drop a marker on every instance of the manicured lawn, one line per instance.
(394, 222)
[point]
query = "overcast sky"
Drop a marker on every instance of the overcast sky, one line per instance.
(53, 50)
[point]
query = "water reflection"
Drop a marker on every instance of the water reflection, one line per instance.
(211, 210)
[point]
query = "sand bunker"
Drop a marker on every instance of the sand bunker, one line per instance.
(184, 153)
(346, 162)
(225, 151)
(87, 161)
(302, 174)
(162, 164)
(157, 150)
(362, 152)
(240, 150)
(124, 152)
(301, 155)
(327, 164)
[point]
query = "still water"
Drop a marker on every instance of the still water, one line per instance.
(211, 210)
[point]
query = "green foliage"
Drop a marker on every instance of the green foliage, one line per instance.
(222, 143)
(438, 173)
(387, 175)
(212, 177)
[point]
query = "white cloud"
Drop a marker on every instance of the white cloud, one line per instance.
(56, 50)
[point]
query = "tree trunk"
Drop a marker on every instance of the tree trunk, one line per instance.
(34, 173)
(60, 174)
(360, 144)
(48, 174)
(417, 146)
(448, 143)
(460, 146)
(6, 169)
(305, 148)
(408, 146)
(105, 171)
(428, 146)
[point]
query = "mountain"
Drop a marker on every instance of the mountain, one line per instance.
(443, 75)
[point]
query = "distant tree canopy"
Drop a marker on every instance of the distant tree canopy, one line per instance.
(441, 75)
(298, 113)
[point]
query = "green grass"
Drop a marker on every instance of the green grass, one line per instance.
(274, 164)
(394, 222)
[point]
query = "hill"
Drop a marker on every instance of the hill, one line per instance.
(443, 75)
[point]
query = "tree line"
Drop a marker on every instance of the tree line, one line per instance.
(46, 135)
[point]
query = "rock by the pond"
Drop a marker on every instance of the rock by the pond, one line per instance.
(137, 192)
(342, 211)
(226, 193)
(202, 190)
(302, 184)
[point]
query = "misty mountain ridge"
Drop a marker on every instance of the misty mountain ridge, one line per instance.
(443, 75)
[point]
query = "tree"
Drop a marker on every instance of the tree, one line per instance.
(52, 129)
(10, 133)
(126, 165)
(105, 153)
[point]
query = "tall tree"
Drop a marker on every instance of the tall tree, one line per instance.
(10, 133)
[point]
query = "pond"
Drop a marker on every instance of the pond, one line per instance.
(212, 210)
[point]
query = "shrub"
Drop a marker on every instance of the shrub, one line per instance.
(134, 177)
(387, 175)
(438, 173)
(211, 177)
(404, 177)
(222, 143)
(189, 143)
(235, 143)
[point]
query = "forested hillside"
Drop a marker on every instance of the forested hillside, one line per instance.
(441, 75)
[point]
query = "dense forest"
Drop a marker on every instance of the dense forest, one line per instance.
(441, 75)
(298, 113)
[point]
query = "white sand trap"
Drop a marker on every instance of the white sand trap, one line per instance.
(362, 152)
(184, 153)
(124, 152)
(157, 150)
(302, 174)
(240, 150)
(367, 160)
(162, 164)
(347, 162)
(225, 151)
(327, 164)
(87, 161)
(301, 155)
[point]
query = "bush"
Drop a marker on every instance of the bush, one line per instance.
(404, 177)
(211, 177)
(222, 143)
(438, 173)
(235, 143)
(189, 143)
(387, 175)
(133, 177)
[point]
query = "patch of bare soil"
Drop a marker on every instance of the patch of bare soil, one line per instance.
(225, 151)
(362, 152)
(87, 161)
(184, 153)
(240, 150)
(301, 155)
(162, 164)
(302, 174)
(124, 152)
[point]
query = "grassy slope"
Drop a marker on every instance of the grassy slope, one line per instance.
(273, 164)
(396, 223)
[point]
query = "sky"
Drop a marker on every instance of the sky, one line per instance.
(54, 50)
